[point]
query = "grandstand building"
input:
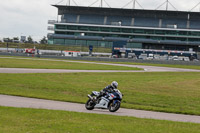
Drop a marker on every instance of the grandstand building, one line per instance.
(142, 29)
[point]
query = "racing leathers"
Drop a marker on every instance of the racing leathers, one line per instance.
(107, 89)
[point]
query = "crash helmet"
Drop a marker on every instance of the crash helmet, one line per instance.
(114, 84)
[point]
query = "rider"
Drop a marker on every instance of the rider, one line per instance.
(109, 89)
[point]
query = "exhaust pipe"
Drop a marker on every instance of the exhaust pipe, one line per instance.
(90, 97)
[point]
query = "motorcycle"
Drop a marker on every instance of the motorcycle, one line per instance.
(111, 101)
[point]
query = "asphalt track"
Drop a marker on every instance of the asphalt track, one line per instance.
(22, 102)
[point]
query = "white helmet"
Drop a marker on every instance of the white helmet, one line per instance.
(114, 84)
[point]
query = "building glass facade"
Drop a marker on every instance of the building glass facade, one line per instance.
(101, 27)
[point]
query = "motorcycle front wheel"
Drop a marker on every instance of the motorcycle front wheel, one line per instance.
(90, 105)
(114, 107)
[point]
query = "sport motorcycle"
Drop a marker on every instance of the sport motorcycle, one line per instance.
(110, 101)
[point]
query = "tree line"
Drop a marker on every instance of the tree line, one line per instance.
(24, 40)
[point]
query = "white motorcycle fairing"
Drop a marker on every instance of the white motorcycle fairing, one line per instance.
(103, 103)
(96, 93)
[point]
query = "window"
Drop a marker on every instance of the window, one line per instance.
(92, 43)
(94, 28)
(60, 26)
(59, 41)
(115, 30)
(149, 31)
(127, 30)
(81, 42)
(83, 28)
(182, 33)
(138, 31)
(194, 39)
(59, 32)
(194, 33)
(70, 42)
(105, 29)
(69, 27)
(171, 32)
(160, 32)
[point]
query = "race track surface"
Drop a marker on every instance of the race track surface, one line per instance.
(23, 70)
(22, 102)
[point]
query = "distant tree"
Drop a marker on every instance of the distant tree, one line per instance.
(15, 39)
(44, 40)
(7, 40)
(35, 42)
(30, 40)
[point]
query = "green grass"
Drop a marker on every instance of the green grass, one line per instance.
(16, 120)
(48, 64)
(167, 92)
(61, 65)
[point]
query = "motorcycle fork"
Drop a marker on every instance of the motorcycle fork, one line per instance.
(115, 101)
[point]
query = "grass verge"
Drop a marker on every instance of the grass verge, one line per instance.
(56, 64)
(167, 92)
(17, 120)
(128, 63)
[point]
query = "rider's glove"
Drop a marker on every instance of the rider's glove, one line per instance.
(102, 92)
(115, 90)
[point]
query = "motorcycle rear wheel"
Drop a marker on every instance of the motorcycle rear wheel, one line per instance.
(90, 105)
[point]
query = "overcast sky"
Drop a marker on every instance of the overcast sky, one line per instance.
(29, 17)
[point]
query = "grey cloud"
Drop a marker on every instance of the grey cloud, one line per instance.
(29, 17)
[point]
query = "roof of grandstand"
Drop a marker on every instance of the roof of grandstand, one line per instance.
(64, 9)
